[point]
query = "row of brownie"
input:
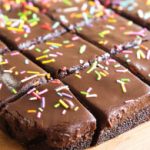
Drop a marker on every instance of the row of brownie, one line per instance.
(101, 74)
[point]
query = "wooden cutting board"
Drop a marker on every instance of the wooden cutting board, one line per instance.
(136, 139)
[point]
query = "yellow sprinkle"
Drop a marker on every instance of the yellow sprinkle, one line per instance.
(76, 108)
(56, 105)
(103, 74)
(54, 44)
(63, 104)
(42, 57)
(140, 54)
(123, 88)
(31, 111)
(15, 29)
(78, 76)
(3, 63)
(48, 61)
(32, 72)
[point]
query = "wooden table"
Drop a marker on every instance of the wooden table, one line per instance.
(136, 139)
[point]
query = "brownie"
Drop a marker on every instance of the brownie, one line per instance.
(137, 59)
(3, 48)
(26, 26)
(64, 53)
(136, 10)
(72, 13)
(118, 99)
(52, 116)
(17, 75)
(115, 31)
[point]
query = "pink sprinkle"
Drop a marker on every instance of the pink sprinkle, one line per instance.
(127, 52)
(61, 54)
(43, 92)
(43, 102)
(0, 86)
(139, 33)
(39, 114)
(64, 111)
(67, 95)
(111, 60)
(14, 53)
(32, 90)
(22, 72)
(148, 55)
(89, 90)
(75, 38)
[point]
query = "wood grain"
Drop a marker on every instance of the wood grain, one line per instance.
(136, 139)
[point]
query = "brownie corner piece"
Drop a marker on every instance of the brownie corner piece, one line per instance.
(26, 26)
(17, 75)
(52, 117)
(117, 98)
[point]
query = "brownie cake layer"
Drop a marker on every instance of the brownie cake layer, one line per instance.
(113, 95)
(64, 53)
(3, 48)
(136, 10)
(114, 31)
(26, 26)
(72, 13)
(50, 116)
(17, 75)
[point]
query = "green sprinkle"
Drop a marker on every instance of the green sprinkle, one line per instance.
(93, 67)
(84, 93)
(82, 49)
(98, 75)
(38, 50)
(14, 91)
(125, 80)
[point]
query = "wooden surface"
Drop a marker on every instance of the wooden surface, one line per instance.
(136, 139)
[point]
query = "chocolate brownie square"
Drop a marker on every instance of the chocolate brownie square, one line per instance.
(136, 10)
(118, 99)
(17, 75)
(50, 114)
(23, 26)
(65, 53)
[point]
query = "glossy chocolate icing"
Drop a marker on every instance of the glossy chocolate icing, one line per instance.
(110, 91)
(17, 73)
(34, 27)
(116, 30)
(63, 53)
(60, 124)
(137, 10)
(72, 12)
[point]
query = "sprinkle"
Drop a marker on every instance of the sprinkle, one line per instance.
(123, 70)
(66, 95)
(55, 25)
(98, 75)
(84, 93)
(91, 95)
(36, 95)
(32, 90)
(57, 105)
(76, 108)
(63, 87)
(103, 33)
(43, 92)
(39, 114)
(148, 55)
(64, 112)
(89, 89)
(93, 67)
(78, 76)
(31, 111)
(14, 91)
(140, 54)
(42, 57)
(28, 78)
(48, 61)
(63, 104)
(40, 109)
(82, 49)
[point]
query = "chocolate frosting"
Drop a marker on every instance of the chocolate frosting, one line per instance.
(116, 30)
(51, 110)
(63, 53)
(110, 91)
(16, 73)
(137, 10)
(34, 27)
